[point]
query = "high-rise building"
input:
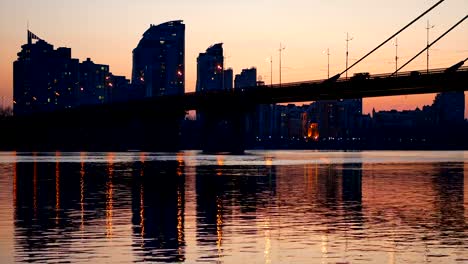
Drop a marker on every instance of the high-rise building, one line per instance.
(246, 79)
(120, 88)
(210, 69)
(228, 78)
(159, 60)
(339, 118)
(449, 108)
(48, 79)
(94, 83)
(44, 78)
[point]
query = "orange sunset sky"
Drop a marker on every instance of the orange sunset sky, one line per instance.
(251, 30)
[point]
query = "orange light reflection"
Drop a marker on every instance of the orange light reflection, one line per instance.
(109, 195)
(57, 186)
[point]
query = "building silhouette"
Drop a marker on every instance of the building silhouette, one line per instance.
(210, 69)
(228, 79)
(339, 118)
(44, 78)
(246, 79)
(93, 77)
(47, 79)
(449, 108)
(159, 60)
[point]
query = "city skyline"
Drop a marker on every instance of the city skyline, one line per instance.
(247, 44)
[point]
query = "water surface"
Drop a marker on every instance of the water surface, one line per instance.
(263, 207)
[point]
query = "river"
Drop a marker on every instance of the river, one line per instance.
(262, 207)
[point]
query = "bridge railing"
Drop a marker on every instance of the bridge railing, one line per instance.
(369, 77)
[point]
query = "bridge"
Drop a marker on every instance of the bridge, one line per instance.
(360, 86)
(153, 123)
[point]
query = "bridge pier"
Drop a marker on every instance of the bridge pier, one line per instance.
(223, 125)
(223, 131)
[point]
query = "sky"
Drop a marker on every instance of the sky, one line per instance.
(108, 30)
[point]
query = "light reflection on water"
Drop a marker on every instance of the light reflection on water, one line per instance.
(264, 207)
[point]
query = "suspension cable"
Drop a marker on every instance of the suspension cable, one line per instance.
(390, 38)
(440, 37)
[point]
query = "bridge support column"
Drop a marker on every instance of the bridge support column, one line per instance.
(223, 131)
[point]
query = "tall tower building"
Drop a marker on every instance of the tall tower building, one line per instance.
(210, 69)
(159, 60)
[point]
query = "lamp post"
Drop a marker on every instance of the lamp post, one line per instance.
(396, 56)
(348, 39)
(427, 51)
(328, 63)
(271, 71)
(281, 48)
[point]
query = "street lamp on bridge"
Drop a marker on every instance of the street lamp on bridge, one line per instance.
(427, 45)
(348, 39)
(271, 71)
(396, 56)
(281, 48)
(328, 62)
